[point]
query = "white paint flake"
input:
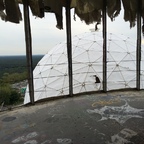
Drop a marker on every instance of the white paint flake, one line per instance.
(31, 135)
(31, 142)
(64, 141)
(25, 138)
(46, 142)
(120, 114)
(19, 139)
(122, 137)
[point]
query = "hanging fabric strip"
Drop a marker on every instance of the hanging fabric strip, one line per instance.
(2, 7)
(113, 8)
(89, 18)
(88, 11)
(130, 10)
(12, 11)
(55, 7)
(18, 12)
(37, 7)
(142, 15)
(85, 6)
(142, 7)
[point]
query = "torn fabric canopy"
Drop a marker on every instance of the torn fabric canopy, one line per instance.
(88, 11)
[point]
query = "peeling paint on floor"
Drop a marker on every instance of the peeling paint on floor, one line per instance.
(64, 141)
(25, 138)
(120, 114)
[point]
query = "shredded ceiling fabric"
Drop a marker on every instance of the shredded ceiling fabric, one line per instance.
(51, 73)
(89, 11)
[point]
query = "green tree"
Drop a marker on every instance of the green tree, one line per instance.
(15, 97)
(5, 92)
(8, 95)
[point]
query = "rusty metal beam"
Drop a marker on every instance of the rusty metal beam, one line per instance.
(138, 51)
(104, 20)
(69, 46)
(28, 41)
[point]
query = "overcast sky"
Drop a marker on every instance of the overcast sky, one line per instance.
(45, 35)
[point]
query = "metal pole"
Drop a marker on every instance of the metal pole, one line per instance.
(69, 46)
(104, 20)
(138, 52)
(28, 50)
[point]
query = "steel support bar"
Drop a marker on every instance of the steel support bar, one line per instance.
(138, 51)
(28, 50)
(69, 46)
(104, 20)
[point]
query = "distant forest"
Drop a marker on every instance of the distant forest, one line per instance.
(16, 64)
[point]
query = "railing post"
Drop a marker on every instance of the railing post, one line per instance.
(69, 46)
(104, 20)
(28, 50)
(138, 50)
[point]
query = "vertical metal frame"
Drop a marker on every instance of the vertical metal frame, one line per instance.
(69, 46)
(28, 41)
(104, 21)
(138, 50)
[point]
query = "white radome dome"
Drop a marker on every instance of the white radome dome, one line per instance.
(51, 73)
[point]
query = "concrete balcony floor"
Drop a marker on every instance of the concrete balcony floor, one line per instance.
(102, 118)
